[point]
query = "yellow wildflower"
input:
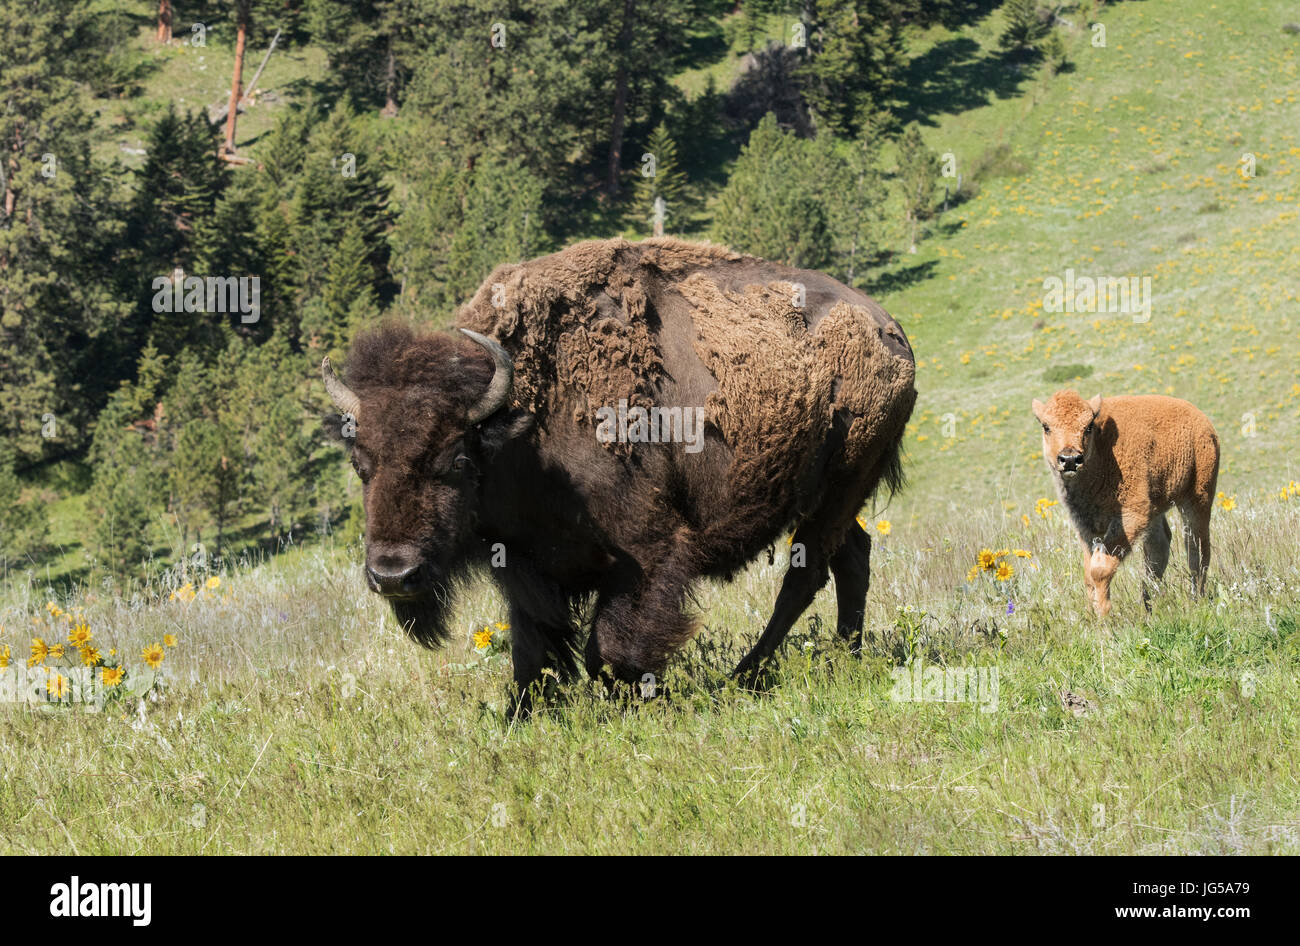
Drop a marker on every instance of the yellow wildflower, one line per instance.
(884, 527)
(40, 650)
(57, 686)
(169, 640)
(1004, 571)
(213, 582)
(80, 635)
(986, 559)
(153, 655)
(89, 656)
(111, 676)
(4, 657)
(483, 637)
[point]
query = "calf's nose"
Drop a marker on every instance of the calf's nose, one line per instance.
(1069, 461)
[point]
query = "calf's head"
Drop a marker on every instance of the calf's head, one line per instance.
(1069, 431)
(421, 415)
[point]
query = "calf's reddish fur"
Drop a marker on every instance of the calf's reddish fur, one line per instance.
(1120, 464)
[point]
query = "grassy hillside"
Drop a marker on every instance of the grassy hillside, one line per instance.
(293, 716)
(1129, 165)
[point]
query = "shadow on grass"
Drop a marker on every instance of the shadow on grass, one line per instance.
(955, 76)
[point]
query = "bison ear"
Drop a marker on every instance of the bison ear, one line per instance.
(502, 427)
(1095, 404)
(1038, 407)
(332, 426)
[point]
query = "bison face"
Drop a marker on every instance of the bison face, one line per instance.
(422, 433)
(1069, 429)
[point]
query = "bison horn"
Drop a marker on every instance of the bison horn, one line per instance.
(499, 389)
(343, 397)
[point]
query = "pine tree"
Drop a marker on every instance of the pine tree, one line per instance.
(1024, 27)
(60, 349)
(768, 207)
(24, 525)
(124, 495)
(918, 173)
(346, 299)
(666, 179)
(340, 189)
(853, 61)
(369, 44)
(502, 223)
(177, 189)
(265, 412)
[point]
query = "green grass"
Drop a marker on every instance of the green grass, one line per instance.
(297, 719)
(1129, 168)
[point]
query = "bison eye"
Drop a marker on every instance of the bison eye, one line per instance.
(1046, 429)
(460, 463)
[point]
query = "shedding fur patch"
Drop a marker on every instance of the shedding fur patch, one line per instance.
(581, 327)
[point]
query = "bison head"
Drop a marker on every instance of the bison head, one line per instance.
(1069, 428)
(422, 415)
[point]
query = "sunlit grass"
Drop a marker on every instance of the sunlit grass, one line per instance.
(296, 718)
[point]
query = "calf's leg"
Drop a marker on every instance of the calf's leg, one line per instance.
(1196, 531)
(1155, 550)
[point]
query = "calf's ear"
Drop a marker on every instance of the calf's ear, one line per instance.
(1095, 404)
(1038, 408)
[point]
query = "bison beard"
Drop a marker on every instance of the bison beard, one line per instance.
(424, 619)
(806, 384)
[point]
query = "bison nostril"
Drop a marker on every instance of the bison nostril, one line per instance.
(394, 580)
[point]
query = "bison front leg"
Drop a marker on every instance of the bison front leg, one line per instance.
(1099, 568)
(536, 646)
(639, 622)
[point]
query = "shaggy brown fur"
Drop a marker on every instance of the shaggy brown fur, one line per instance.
(1120, 465)
(807, 392)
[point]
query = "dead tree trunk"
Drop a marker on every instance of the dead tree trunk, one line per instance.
(241, 40)
(620, 98)
(165, 21)
(390, 83)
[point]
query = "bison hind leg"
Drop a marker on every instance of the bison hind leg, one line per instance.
(807, 574)
(851, 566)
(1196, 531)
(1155, 552)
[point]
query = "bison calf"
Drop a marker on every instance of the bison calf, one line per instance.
(1120, 464)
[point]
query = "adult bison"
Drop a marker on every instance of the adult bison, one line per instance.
(526, 443)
